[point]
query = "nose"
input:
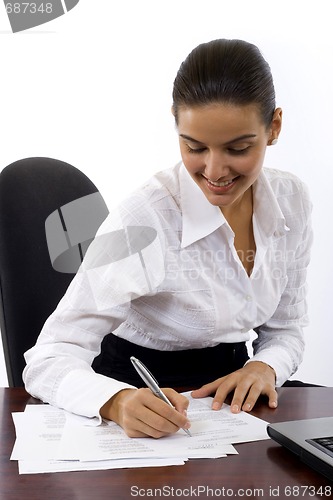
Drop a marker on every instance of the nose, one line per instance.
(216, 166)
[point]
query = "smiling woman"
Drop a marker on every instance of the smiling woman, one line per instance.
(223, 148)
(226, 116)
(230, 256)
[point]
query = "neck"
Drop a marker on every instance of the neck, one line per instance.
(242, 206)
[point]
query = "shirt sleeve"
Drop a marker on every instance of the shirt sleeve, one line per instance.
(280, 342)
(125, 261)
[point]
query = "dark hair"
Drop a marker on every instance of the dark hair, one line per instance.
(228, 71)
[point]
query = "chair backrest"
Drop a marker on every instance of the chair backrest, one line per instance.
(33, 191)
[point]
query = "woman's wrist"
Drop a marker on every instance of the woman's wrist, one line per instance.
(111, 409)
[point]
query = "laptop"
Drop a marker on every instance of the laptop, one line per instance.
(311, 440)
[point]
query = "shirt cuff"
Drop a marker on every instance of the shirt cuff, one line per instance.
(85, 392)
(278, 359)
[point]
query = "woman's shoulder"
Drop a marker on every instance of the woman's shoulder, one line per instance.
(285, 183)
(283, 179)
(290, 191)
(144, 206)
(158, 192)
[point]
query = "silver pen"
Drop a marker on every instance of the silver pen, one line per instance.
(151, 382)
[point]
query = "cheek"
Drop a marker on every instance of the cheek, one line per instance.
(192, 163)
(249, 165)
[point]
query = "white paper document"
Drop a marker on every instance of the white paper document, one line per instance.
(52, 440)
(38, 432)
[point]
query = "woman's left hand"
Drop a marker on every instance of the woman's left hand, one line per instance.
(248, 383)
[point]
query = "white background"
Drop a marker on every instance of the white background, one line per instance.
(93, 88)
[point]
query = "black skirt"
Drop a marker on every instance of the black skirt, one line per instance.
(187, 368)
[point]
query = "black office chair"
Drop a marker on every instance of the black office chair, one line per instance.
(39, 254)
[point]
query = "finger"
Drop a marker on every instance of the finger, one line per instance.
(160, 415)
(146, 422)
(228, 384)
(138, 428)
(177, 413)
(157, 425)
(207, 389)
(252, 397)
(179, 401)
(254, 394)
(141, 413)
(249, 400)
(272, 398)
(247, 391)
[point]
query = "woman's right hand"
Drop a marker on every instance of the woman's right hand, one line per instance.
(141, 414)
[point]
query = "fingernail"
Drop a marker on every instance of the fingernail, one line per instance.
(216, 406)
(247, 407)
(235, 409)
(185, 413)
(187, 425)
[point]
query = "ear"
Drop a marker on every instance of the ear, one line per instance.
(175, 115)
(275, 127)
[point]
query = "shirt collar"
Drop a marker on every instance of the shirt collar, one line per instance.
(201, 218)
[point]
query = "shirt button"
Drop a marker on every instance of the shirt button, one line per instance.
(248, 298)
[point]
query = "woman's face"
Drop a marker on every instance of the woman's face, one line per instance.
(223, 148)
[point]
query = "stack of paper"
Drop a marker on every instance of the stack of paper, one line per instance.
(52, 440)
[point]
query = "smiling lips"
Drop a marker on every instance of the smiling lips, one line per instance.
(220, 186)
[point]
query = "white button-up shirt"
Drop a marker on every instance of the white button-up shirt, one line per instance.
(163, 272)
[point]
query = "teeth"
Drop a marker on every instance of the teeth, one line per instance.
(221, 184)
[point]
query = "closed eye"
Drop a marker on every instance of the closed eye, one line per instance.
(236, 152)
(232, 151)
(195, 150)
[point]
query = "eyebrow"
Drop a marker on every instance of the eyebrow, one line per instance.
(237, 139)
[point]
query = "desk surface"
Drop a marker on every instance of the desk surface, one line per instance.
(261, 470)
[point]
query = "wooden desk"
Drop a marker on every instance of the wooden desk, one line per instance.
(261, 470)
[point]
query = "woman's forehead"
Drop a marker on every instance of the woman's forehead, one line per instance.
(204, 122)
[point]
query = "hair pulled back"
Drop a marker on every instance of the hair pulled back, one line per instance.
(225, 71)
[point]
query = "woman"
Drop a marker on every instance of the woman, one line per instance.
(189, 264)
